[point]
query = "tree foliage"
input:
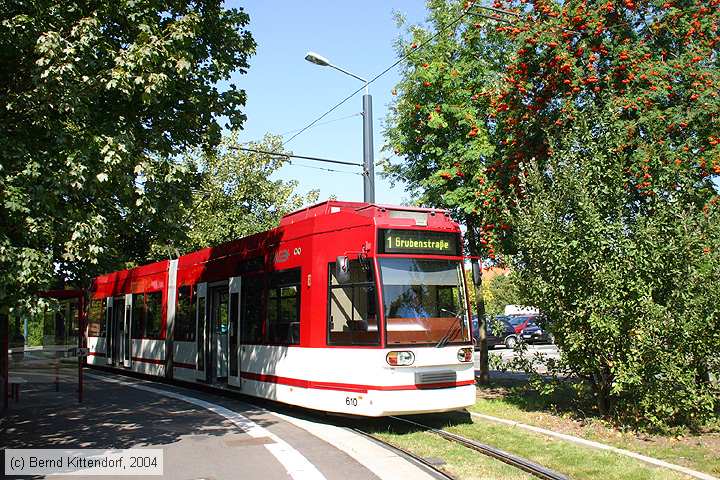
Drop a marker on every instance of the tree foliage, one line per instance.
(631, 289)
(437, 122)
(97, 101)
(236, 195)
(652, 63)
(596, 123)
(616, 105)
(500, 292)
(479, 99)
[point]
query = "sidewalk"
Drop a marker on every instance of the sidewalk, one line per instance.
(197, 442)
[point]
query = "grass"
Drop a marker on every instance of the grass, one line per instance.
(460, 462)
(573, 460)
(697, 451)
(513, 400)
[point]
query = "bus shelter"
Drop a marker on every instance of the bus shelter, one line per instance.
(44, 350)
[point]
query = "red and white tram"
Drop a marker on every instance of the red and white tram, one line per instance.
(345, 307)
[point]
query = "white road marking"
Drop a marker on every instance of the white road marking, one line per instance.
(597, 445)
(297, 466)
(384, 463)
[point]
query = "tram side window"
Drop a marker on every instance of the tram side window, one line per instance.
(153, 315)
(147, 315)
(283, 308)
(185, 314)
(251, 304)
(96, 318)
(138, 315)
(352, 309)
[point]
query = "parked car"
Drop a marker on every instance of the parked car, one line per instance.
(475, 329)
(498, 331)
(534, 333)
(519, 322)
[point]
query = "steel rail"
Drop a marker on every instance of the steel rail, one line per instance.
(433, 470)
(505, 457)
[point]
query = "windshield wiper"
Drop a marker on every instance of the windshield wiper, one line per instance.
(452, 331)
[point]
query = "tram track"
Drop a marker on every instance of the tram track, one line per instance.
(508, 458)
(346, 422)
(432, 469)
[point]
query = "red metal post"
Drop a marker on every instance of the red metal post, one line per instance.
(5, 358)
(82, 343)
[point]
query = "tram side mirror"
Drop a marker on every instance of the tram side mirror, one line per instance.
(476, 273)
(342, 269)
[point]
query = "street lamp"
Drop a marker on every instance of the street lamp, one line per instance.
(368, 154)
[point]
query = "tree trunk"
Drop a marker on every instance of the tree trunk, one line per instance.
(484, 374)
(601, 388)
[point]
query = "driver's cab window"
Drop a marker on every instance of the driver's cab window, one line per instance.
(352, 309)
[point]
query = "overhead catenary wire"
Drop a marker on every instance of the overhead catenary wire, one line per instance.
(526, 17)
(498, 17)
(465, 12)
(400, 60)
(497, 10)
(290, 155)
(358, 114)
(494, 18)
(295, 164)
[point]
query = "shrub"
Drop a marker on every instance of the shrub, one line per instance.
(629, 281)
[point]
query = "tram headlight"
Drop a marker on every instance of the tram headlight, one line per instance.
(465, 355)
(400, 359)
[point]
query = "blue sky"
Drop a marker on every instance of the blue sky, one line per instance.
(285, 92)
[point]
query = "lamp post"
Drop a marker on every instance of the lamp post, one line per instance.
(368, 154)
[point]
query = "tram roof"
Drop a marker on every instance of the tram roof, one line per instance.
(329, 207)
(302, 221)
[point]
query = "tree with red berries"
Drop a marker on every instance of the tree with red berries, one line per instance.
(438, 126)
(539, 91)
(615, 105)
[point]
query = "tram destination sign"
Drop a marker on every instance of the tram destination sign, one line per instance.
(419, 241)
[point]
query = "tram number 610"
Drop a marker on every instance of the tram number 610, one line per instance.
(351, 401)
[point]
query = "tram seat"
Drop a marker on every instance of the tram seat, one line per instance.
(294, 332)
(357, 325)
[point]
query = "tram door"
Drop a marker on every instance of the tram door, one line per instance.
(219, 322)
(127, 338)
(217, 332)
(109, 331)
(234, 332)
(201, 332)
(118, 329)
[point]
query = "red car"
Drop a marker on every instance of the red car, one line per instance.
(519, 322)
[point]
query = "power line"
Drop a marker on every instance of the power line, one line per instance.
(498, 18)
(526, 17)
(324, 169)
(324, 123)
(498, 10)
(289, 155)
(401, 59)
(494, 18)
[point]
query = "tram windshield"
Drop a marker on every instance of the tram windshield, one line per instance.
(424, 301)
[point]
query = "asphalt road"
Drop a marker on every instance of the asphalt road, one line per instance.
(202, 435)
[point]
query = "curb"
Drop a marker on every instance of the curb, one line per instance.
(598, 446)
